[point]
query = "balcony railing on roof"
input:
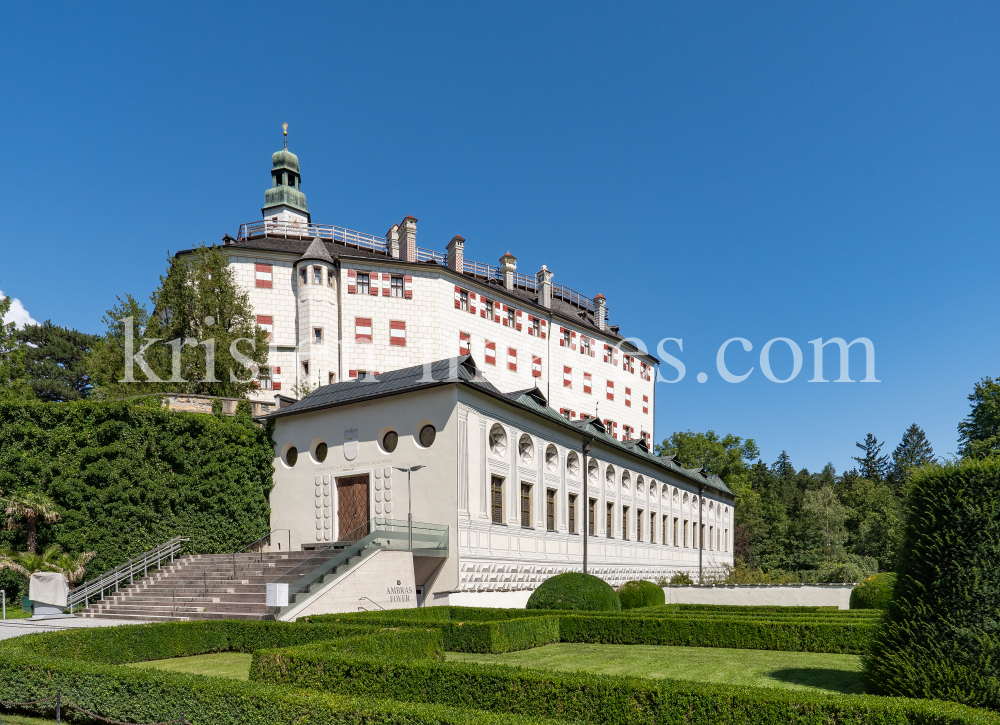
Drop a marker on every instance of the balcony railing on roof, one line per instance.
(351, 238)
(485, 271)
(525, 282)
(429, 255)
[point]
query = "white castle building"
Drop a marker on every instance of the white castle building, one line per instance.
(492, 382)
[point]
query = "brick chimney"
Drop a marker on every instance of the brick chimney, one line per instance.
(508, 265)
(456, 254)
(408, 239)
(392, 240)
(600, 312)
(544, 278)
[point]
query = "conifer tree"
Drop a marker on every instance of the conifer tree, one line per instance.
(979, 434)
(13, 377)
(912, 452)
(873, 465)
(55, 361)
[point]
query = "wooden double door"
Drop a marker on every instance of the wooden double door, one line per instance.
(352, 508)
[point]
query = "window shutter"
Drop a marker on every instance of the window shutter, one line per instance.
(352, 282)
(518, 314)
(572, 340)
(505, 323)
(512, 359)
(491, 353)
(263, 275)
(363, 329)
(607, 353)
(531, 327)
(586, 383)
(628, 397)
(276, 378)
(267, 322)
(458, 297)
(373, 284)
(536, 367)
(386, 284)
(645, 404)
(611, 390)
(464, 340)
(496, 312)
(352, 373)
(567, 377)
(408, 287)
(562, 342)
(397, 333)
(545, 328)
(593, 347)
(472, 302)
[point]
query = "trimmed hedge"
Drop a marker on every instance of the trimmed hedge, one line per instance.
(734, 632)
(875, 592)
(502, 635)
(940, 635)
(603, 699)
(641, 593)
(575, 590)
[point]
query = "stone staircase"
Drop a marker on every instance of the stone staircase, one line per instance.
(203, 586)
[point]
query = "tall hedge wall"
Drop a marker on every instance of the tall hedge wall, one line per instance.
(129, 475)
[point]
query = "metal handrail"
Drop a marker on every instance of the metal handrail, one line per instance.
(525, 281)
(127, 569)
(203, 575)
(478, 269)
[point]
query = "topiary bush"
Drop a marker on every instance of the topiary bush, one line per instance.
(575, 590)
(875, 592)
(641, 593)
(940, 635)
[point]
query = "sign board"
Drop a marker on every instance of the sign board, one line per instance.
(277, 595)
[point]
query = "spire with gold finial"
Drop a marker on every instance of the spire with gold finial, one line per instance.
(284, 130)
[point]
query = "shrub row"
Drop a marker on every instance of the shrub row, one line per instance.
(733, 632)
(694, 629)
(145, 695)
(141, 642)
(491, 636)
(602, 699)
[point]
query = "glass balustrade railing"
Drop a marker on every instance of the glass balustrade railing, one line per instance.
(336, 559)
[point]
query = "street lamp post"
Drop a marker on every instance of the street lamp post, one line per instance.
(409, 500)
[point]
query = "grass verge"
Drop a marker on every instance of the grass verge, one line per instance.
(233, 665)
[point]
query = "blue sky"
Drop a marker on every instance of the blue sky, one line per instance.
(720, 170)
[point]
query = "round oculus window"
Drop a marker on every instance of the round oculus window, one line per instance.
(291, 456)
(321, 451)
(391, 439)
(427, 436)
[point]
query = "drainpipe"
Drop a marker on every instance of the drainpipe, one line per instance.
(586, 502)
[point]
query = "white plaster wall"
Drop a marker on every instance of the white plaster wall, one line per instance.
(504, 600)
(385, 578)
(781, 595)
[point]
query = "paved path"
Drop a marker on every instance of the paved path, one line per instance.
(16, 627)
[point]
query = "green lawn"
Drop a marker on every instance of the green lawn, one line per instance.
(234, 665)
(22, 720)
(761, 668)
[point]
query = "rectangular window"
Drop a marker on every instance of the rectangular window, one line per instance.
(267, 322)
(611, 521)
(317, 335)
(329, 278)
(305, 369)
(652, 528)
(364, 283)
(677, 522)
(567, 377)
(303, 276)
(496, 499)
(535, 326)
(663, 540)
(263, 275)
(587, 384)
(625, 522)
(711, 538)
(564, 342)
(512, 359)
(464, 343)
(525, 506)
(725, 540)
(686, 528)
(584, 345)
(269, 378)
(491, 353)
(363, 329)
(571, 513)
(701, 537)
(550, 510)
(510, 317)
(397, 333)
(640, 515)
(463, 300)
(591, 522)
(317, 275)
(487, 308)
(331, 378)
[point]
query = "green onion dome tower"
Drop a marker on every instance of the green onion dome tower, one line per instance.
(284, 202)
